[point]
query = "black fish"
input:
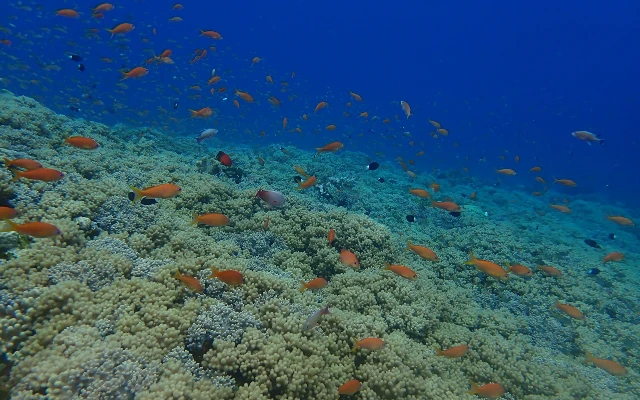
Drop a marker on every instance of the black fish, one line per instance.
(75, 57)
(381, 180)
(593, 271)
(297, 179)
(373, 166)
(455, 214)
(74, 108)
(411, 218)
(592, 243)
(464, 196)
(612, 236)
(81, 67)
(144, 201)
(175, 105)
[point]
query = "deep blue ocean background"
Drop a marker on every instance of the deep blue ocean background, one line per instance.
(505, 78)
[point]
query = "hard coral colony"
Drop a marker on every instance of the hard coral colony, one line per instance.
(205, 284)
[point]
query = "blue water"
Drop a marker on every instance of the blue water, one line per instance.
(505, 78)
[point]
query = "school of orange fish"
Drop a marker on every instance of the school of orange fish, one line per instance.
(33, 170)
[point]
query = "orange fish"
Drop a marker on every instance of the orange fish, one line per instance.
(104, 7)
(269, 79)
(406, 108)
(535, 169)
(137, 72)
(7, 212)
(453, 352)
(423, 194)
(265, 226)
(364, 114)
(551, 271)
(331, 147)
(612, 367)
(213, 80)
(519, 270)
(620, 220)
(435, 124)
(435, 187)
(371, 343)
(355, 96)
(274, 101)
(561, 208)
(446, 205)
(331, 127)
(211, 219)
(424, 252)
(211, 34)
(506, 171)
(24, 163)
(350, 387)
(314, 284)
(307, 184)
(569, 310)
(34, 229)
(443, 131)
(121, 29)
(205, 112)
(540, 179)
(565, 182)
(320, 106)
(68, 13)
(175, 19)
(236, 103)
(255, 61)
(230, 277)
(489, 391)
(189, 281)
(331, 236)
(284, 123)
(80, 142)
(349, 259)
(420, 153)
(244, 96)
(488, 267)
(615, 256)
(164, 191)
(177, 6)
(40, 174)
(402, 270)
(300, 170)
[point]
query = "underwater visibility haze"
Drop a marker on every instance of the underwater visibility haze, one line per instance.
(299, 200)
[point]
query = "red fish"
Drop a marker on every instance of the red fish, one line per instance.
(224, 159)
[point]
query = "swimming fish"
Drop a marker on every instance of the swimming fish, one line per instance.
(587, 137)
(39, 174)
(34, 229)
(8, 212)
(331, 147)
(224, 159)
(350, 387)
(271, 197)
(372, 166)
(189, 281)
(211, 219)
(206, 134)
(230, 277)
(488, 267)
(592, 243)
(164, 191)
(80, 142)
(612, 367)
(349, 259)
(424, 252)
(314, 319)
(314, 284)
(453, 352)
(489, 390)
(371, 343)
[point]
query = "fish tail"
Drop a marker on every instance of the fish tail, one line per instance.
(474, 387)
(509, 267)
(9, 228)
(355, 347)
(433, 203)
(408, 245)
(194, 221)
(137, 192)
(214, 272)
(319, 149)
(193, 114)
(16, 175)
(589, 356)
(438, 351)
(7, 162)
(303, 287)
(177, 275)
(110, 31)
(472, 258)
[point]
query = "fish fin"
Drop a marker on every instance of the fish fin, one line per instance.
(194, 221)
(303, 287)
(355, 347)
(7, 162)
(16, 175)
(438, 351)
(589, 356)
(472, 258)
(474, 387)
(509, 267)
(177, 275)
(10, 228)
(137, 192)
(214, 271)
(408, 245)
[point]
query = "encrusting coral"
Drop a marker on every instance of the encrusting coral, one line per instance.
(97, 312)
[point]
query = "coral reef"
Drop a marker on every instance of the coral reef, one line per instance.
(97, 313)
